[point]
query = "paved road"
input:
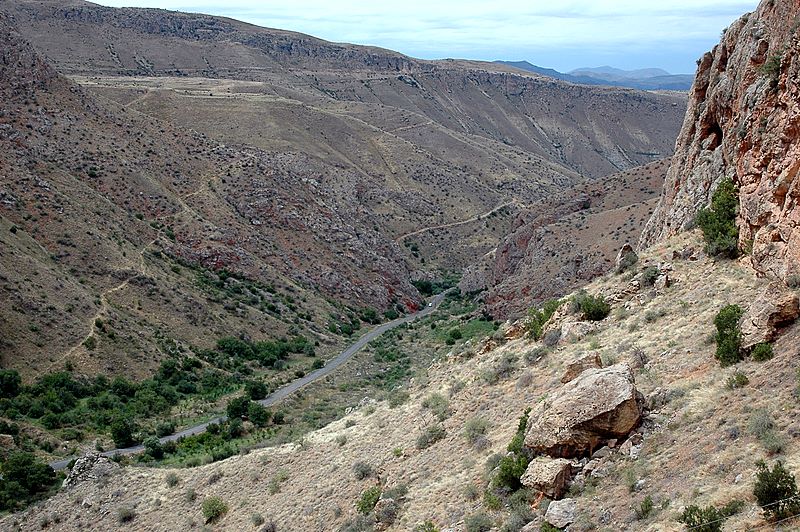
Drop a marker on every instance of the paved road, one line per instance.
(288, 389)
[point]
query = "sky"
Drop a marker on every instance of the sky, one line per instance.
(560, 34)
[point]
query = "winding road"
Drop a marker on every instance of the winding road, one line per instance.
(290, 388)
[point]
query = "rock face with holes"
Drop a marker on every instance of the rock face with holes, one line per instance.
(774, 308)
(598, 405)
(743, 122)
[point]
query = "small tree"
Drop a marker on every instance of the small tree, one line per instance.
(718, 222)
(776, 491)
(256, 390)
(237, 407)
(10, 383)
(729, 335)
(122, 430)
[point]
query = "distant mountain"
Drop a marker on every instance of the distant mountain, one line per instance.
(644, 79)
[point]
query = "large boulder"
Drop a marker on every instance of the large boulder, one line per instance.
(772, 309)
(561, 513)
(600, 404)
(549, 476)
(576, 367)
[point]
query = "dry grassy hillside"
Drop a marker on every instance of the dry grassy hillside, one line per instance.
(700, 438)
(121, 230)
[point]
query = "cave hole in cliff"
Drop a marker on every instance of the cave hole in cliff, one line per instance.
(712, 131)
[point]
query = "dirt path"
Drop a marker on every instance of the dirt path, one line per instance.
(475, 218)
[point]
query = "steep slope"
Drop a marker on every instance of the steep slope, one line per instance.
(423, 144)
(566, 240)
(120, 230)
(694, 445)
(742, 123)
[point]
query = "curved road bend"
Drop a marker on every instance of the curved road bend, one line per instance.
(288, 389)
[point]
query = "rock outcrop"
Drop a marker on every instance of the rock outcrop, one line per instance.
(576, 367)
(743, 122)
(549, 476)
(600, 404)
(561, 514)
(91, 466)
(774, 308)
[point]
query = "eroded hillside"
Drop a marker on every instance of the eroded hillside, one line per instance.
(416, 144)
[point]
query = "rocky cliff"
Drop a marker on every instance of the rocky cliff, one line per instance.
(743, 122)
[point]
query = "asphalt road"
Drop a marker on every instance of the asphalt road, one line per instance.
(288, 389)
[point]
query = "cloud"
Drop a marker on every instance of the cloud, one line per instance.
(624, 32)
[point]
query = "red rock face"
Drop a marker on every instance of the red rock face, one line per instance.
(743, 122)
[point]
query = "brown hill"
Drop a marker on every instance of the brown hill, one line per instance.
(116, 229)
(421, 143)
(562, 242)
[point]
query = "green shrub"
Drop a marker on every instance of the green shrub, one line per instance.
(438, 404)
(213, 508)
(593, 308)
(369, 498)
(762, 352)
(491, 501)
(171, 479)
(729, 335)
(426, 526)
(697, 519)
(644, 509)
(511, 467)
(776, 491)
(430, 435)
(537, 318)
(772, 69)
(256, 390)
(737, 380)
(475, 430)
(10, 383)
(718, 222)
(479, 522)
(122, 430)
(547, 527)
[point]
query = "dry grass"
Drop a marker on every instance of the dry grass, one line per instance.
(695, 449)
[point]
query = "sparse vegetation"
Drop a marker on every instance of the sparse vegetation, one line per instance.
(479, 522)
(737, 380)
(430, 435)
(438, 405)
(125, 515)
(475, 431)
(362, 470)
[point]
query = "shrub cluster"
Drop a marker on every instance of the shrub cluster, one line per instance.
(710, 518)
(24, 478)
(512, 466)
(776, 491)
(537, 318)
(593, 308)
